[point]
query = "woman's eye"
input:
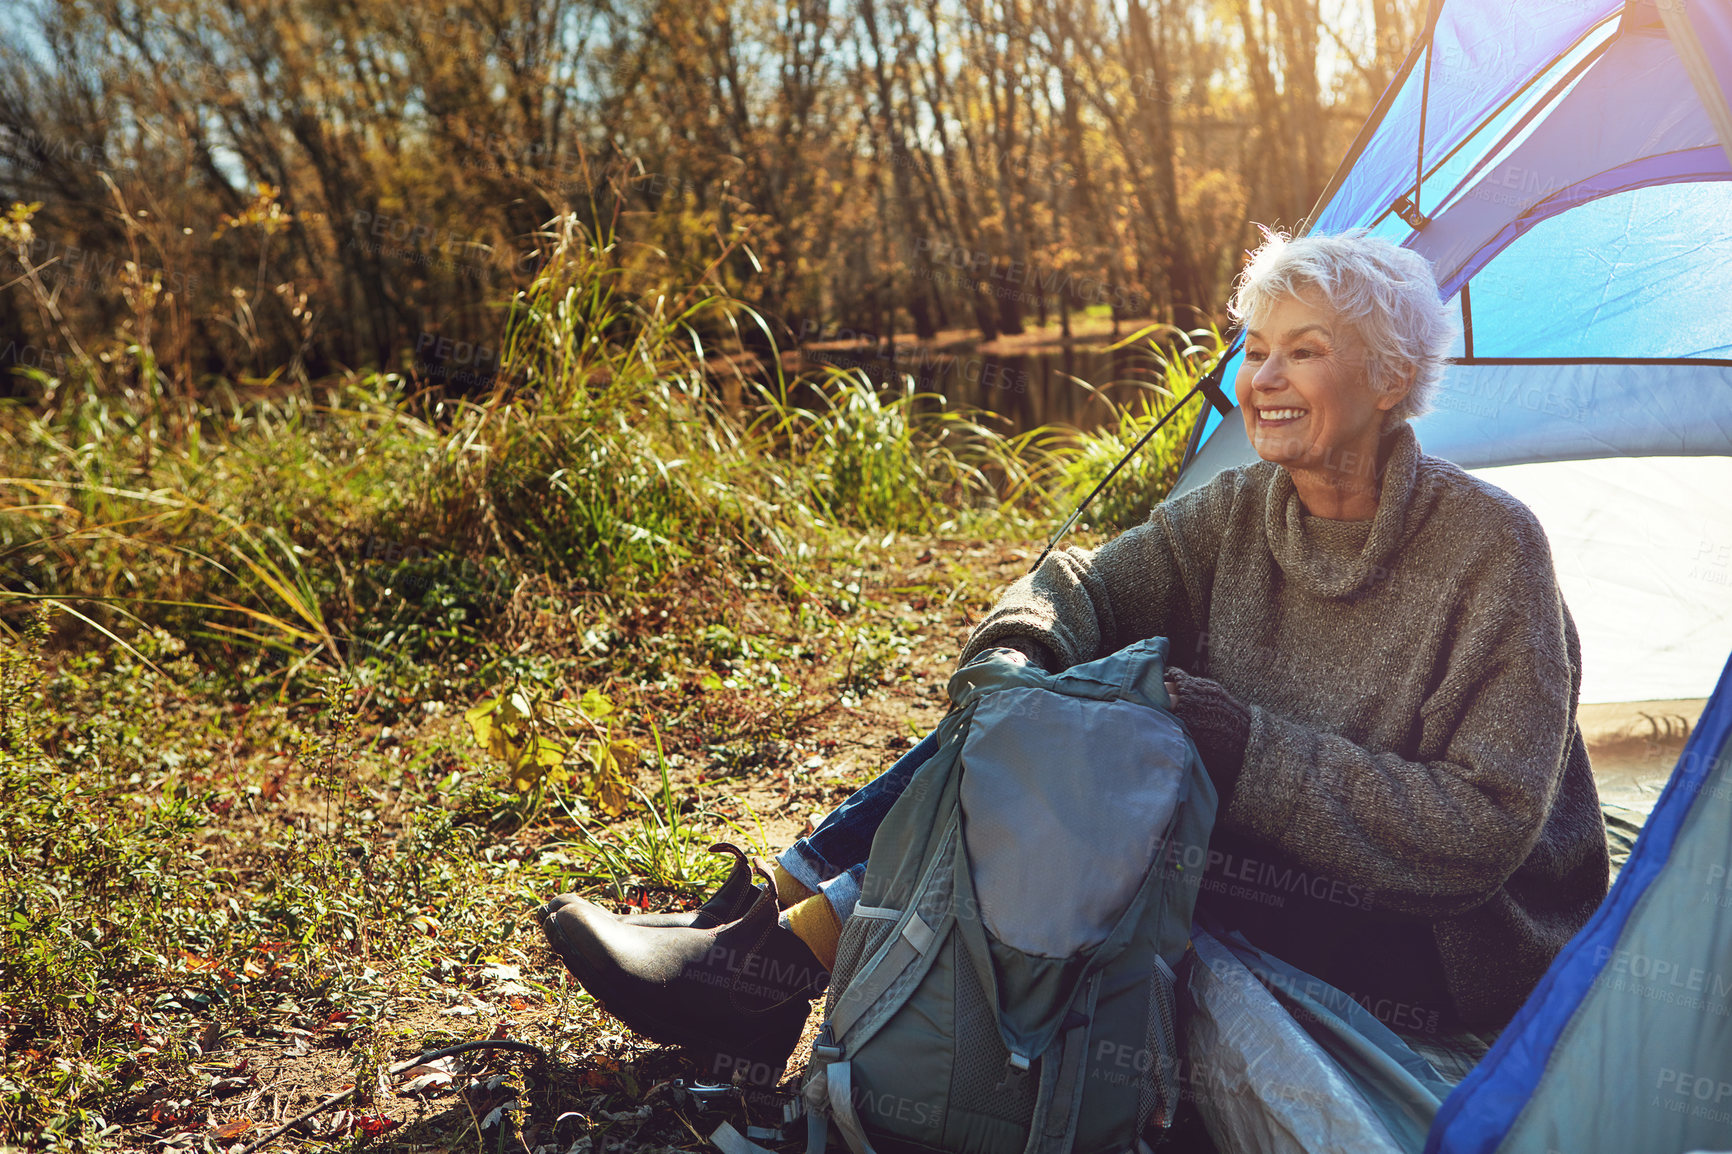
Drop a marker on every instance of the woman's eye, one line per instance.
(1255, 354)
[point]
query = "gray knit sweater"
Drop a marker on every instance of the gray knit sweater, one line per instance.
(1415, 821)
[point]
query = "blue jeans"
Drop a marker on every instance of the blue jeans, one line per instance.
(833, 859)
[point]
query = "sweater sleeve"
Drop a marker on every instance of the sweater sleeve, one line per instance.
(1435, 837)
(1147, 582)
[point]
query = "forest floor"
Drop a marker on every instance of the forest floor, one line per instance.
(239, 1019)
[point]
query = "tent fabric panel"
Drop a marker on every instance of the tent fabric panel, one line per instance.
(1511, 413)
(1509, 128)
(1644, 273)
(1504, 130)
(1225, 447)
(1607, 1024)
(1690, 166)
(1481, 53)
(1634, 101)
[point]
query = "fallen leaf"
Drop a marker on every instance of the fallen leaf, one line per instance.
(435, 1075)
(172, 1112)
(375, 1124)
(480, 721)
(224, 1087)
(425, 1083)
(609, 784)
(229, 1131)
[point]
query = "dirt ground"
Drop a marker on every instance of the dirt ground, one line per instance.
(599, 1089)
(1633, 746)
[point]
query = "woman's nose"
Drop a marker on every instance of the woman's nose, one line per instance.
(1269, 373)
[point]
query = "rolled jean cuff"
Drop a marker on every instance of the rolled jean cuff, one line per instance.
(805, 867)
(843, 892)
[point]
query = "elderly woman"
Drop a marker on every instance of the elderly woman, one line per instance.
(1383, 687)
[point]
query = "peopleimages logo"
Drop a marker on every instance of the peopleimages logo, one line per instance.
(1697, 1095)
(1262, 881)
(458, 362)
(1663, 980)
(754, 974)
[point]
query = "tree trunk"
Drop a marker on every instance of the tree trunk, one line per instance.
(1154, 101)
(920, 242)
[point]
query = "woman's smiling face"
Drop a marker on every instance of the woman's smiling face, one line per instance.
(1304, 393)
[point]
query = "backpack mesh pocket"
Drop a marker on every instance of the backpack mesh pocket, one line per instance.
(982, 1081)
(860, 939)
(1158, 1094)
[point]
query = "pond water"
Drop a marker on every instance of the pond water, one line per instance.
(1027, 390)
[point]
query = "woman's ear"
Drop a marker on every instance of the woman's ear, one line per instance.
(1389, 400)
(1399, 386)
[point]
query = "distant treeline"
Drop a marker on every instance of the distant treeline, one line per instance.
(248, 188)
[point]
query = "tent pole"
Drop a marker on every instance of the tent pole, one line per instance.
(1700, 69)
(1424, 102)
(1210, 384)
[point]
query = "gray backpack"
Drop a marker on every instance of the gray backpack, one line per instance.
(1006, 983)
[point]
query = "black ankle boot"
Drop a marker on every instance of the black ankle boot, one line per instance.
(741, 991)
(727, 904)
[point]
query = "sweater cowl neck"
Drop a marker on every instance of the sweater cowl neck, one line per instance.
(1309, 549)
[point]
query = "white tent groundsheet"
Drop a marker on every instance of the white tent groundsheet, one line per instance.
(1643, 550)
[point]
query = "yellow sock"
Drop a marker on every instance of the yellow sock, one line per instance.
(814, 922)
(789, 892)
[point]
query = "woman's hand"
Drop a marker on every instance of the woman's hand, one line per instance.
(1216, 721)
(1031, 651)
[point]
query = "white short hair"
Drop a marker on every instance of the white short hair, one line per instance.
(1386, 292)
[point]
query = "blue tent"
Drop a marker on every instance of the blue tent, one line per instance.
(1565, 166)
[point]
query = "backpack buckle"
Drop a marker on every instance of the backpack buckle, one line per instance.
(824, 1047)
(1015, 1066)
